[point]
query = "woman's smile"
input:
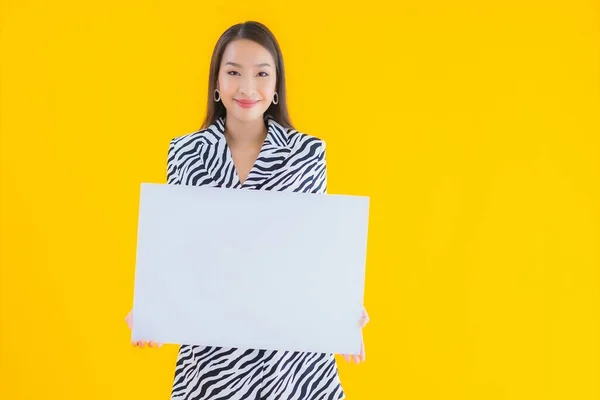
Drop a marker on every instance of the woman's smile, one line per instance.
(246, 103)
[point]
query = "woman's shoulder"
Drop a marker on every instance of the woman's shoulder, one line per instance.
(208, 135)
(304, 137)
(297, 139)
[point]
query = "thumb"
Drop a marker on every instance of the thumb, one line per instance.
(129, 320)
(364, 320)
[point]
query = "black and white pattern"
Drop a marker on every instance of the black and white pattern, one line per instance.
(288, 161)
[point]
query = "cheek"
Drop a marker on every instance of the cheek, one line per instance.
(226, 85)
(267, 88)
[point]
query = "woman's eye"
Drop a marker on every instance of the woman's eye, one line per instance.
(263, 74)
(232, 73)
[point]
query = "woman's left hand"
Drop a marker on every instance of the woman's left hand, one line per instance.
(362, 356)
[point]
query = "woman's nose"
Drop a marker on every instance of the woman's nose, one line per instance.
(247, 86)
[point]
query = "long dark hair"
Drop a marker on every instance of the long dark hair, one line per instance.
(260, 34)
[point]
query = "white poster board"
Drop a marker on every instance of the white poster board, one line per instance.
(250, 269)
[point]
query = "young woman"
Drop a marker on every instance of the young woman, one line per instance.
(248, 142)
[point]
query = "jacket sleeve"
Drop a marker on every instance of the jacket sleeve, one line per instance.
(319, 184)
(172, 168)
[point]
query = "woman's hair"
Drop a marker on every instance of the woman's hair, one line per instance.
(260, 34)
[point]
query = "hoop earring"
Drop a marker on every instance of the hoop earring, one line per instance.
(275, 98)
(217, 93)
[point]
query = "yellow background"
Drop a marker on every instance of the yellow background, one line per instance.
(473, 127)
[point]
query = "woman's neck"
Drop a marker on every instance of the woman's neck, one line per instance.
(245, 134)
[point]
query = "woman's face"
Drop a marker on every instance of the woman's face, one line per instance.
(247, 79)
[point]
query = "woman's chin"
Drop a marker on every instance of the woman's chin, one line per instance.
(247, 115)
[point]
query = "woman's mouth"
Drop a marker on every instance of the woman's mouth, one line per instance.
(246, 103)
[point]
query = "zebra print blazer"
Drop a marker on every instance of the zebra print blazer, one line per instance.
(288, 160)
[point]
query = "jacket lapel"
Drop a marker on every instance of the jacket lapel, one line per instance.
(219, 164)
(275, 150)
(216, 157)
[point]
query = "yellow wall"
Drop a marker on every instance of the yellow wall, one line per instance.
(473, 127)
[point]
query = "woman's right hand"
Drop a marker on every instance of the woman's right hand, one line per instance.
(140, 343)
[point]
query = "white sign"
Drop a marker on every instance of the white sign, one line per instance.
(250, 268)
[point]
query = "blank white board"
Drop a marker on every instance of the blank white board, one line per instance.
(250, 268)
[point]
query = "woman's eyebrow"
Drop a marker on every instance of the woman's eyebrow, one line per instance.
(239, 66)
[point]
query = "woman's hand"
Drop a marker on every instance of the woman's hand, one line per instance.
(363, 356)
(140, 343)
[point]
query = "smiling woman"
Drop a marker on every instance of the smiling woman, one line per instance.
(249, 84)
(247, 65)
(247, 142)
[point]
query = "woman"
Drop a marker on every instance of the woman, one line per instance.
(247, 142)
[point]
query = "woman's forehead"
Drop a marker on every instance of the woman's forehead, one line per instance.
(247, 53)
